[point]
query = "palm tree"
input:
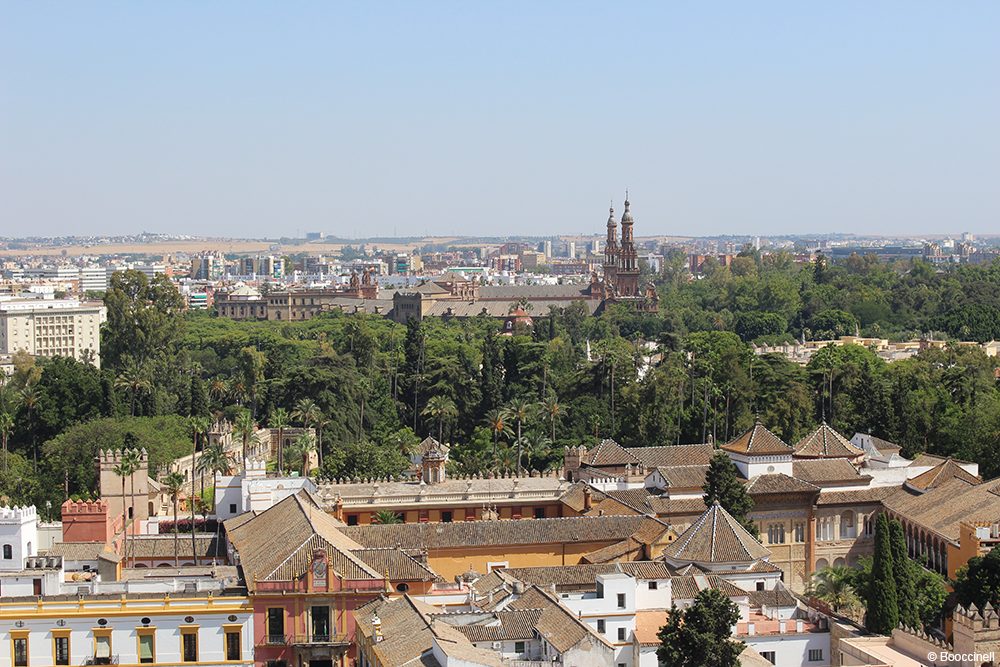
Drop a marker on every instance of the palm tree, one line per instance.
(497, 421)
(173, 484)
(537, 446)
(554, 409)
(520, 411)
(218, 389)
(832, 585)
(505, 459)
(387, 517)
(298, 452)
(279, 420)
(245, 428)
(133, 379)
(215, 460)
(131, 460)
(441, 408)
(199, 426)
(6, 428)
(30, 399)
(322, 421)
(122, 470)
(307, 413)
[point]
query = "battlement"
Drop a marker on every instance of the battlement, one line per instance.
(553, 474)
(17, 514)
(109, 457)
(976, 619)
(85, 507)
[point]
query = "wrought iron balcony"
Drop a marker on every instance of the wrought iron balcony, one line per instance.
(315, 640)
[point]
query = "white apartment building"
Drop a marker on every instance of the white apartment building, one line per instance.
(53, 328)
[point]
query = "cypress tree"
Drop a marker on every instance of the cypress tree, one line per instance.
(905, 575)
(199, 397)
(491, 374)
(883, 605)
(722, 483)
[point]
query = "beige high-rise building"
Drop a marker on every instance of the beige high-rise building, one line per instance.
(53, 328)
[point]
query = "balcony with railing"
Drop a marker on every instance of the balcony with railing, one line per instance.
(320, 640)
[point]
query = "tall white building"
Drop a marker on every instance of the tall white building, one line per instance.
(93, 279)
(53, 328)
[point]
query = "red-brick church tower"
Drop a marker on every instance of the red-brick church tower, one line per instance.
(627, 276)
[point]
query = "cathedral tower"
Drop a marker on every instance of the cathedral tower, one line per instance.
(627, 275)
(611, 252)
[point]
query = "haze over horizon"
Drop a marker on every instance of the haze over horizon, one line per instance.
(403, 119)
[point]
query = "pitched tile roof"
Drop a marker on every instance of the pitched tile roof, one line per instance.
(507, 625)
(505, 532)
(874, 494)
(943, 508)
(613, 552)
(777, 483)
(828, 472)
(556, 624)
(716, 537)
(162, 547)
(779, 597)
(758, 441)
(610, 453)
(684, 477)
(940, 474)
(277, 543)
(824, 443)
(398, 564)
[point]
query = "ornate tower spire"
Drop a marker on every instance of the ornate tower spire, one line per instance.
(611, 251)
(628, 258)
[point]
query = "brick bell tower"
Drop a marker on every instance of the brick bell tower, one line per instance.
(627, 275)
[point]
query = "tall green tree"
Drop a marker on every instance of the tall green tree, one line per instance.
(144, 319)
(882, 604)
(978, 582)
(722, 485)
(173, 484)
(519, 411)
(279, 421)
(491, 374)
(904, 572)
(701, 635)
(442, 409)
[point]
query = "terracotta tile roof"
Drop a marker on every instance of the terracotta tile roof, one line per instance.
(940, 474)
(506, 532)
(676, 507)
(400, 565)
(162, 547)
(777, 483)
(825, 443)
(646, 569)
(873, 494)
(928, 460)
(750, 658)
(716, 537)
(406, 631)
(489, 582)
(827, 472)
(779, 597)
(610, 453)
(758, 441)
(556, 624)
(944, 507)
(566, 576)
(684, 477)
(613, 552)
(509, 625)
(276, 543)
(637, 499)
(90, 550)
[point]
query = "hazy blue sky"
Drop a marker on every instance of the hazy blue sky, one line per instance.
(467, 117)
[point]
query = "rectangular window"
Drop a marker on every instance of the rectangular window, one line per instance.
(600, 625)
(800, 532)
(815, 654)
(232, 508)
(102, 649)
(275, 625)
(21, 652)
(769, 656)
(621, 634)
(189, 646)
(446, 517)
(539, 512)
(146, 653)
(519, 647)
(352, 519)
(653, 585)
(276, 663)
(621, 600)
(233, 649)
(61, 650)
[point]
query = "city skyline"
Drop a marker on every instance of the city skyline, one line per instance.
(443, 119)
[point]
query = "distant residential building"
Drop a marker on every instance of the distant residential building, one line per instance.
(208, 266)
(53, 328)
(93, 279)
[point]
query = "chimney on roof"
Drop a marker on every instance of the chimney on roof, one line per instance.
(588, 500)
(376, 628)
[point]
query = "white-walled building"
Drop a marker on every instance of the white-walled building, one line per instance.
(53, 328)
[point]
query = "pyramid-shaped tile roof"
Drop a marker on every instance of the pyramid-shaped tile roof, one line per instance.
(825, 443)
(940, 474)
(758, 441)
(716, 537)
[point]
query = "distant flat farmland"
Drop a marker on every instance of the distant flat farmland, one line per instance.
(189, 247)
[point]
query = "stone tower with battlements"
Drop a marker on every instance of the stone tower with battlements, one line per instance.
(135, 499)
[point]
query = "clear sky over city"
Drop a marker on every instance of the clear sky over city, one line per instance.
(255, 119)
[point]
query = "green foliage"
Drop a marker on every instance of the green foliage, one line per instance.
(904, 573)
(931, 595)
(833, 585)
(882, 603)
(700, 636)
(978, 582)
(723, 485)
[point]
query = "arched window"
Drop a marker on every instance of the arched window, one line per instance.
(8, 552)
(822, 563)
(848, 529)
(30, 552)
